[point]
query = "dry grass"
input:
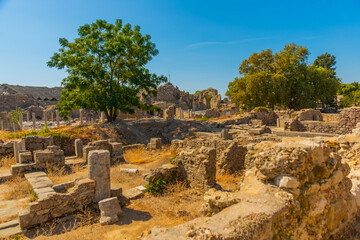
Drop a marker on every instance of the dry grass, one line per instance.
(123, 179)
(229, 181)
(17, 188)
(59, 176)
(8, 218)
(141, 156)
(177, 205)
(6, 162)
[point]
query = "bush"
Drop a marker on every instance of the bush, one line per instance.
(261, 109)
(156, 186)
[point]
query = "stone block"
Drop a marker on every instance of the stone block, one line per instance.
(110, 211)
(99, 171)
(79, 148)
(25, 157)
(286, 182)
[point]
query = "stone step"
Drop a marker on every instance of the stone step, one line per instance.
(10, 229)
(5, 177)
(12, 223)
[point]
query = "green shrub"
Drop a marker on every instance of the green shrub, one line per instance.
(156, 186)
(261, 109)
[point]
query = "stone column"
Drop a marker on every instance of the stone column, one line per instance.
(99, 171)
(21, 120)
(2, 125)
(225, 134)
(52, 116)
(13, 126)
(81, 117)
(18, 146)
(45, 117)
(78, 148)
(28, 116)
(102, 119)
(278, 124)
(57, 118)
(34, 120)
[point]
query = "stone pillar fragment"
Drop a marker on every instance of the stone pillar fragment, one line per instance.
(34, 120)
(102, 119)
(28, 116)
(52, 116)
(21, 120)
(78, 148)
(81, 117)
(45, 117)
(225, 134)
(57, 118)
(99, 171)
(2, 125)
(110, 210)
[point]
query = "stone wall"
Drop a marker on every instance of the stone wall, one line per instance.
(33, 143)
(6, 149)
(198, 167)
(58, 204)
(295, 190)
(349, 118)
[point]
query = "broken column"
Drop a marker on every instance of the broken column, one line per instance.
(21, 120)
(57, 118)
(99, 171)
(45, 117)
(28, 116)
(34, 120)
(102, 118)
(81, 117)
(155, 143)
(78, 148)
(225, 134)
(110, 210)
(18, 146)
(52, 116)
(2, 125)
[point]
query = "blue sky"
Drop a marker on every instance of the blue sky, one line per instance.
(201, 43)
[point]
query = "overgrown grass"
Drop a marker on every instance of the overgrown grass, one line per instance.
(203, 119)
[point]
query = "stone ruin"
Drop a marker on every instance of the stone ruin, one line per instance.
(304, 193)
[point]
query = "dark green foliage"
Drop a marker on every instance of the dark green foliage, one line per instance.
(351, 94)
(285, 80)
(106, 69)
(156, 187)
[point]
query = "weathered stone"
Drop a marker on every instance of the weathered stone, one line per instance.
(78, 148)
(109, 211)
(286, 182)
(25, 157)
(99, 171)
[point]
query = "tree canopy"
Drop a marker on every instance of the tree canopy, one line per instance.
(351, 94)
(106, 69)
(285, 79)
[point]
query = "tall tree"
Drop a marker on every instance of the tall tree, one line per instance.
(106, 69)
(283, 79)
(326, 60)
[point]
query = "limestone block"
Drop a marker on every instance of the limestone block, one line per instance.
(155, 143)
(116, 192)
(133, 193)
(286, 182)
(79, 148)
(43, 156)
(109, 210)
(86, 150)
(99, 171)
(25, 157)
(225, 134)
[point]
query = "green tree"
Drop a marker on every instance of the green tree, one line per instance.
(15, 115)
(326, 61)
(283, 79)
(106, 69)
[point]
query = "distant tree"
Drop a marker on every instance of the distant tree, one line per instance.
(106, 69)
(326, 61)
(15, 115)
(283, 79)
(351, 94)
